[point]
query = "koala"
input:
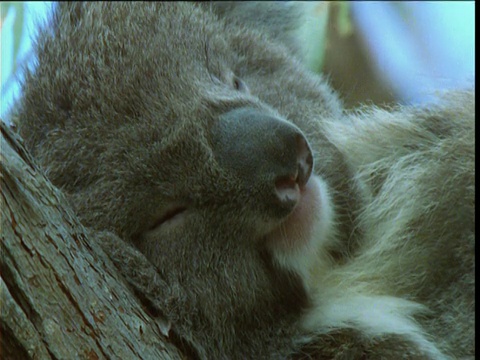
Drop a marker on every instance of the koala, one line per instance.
(239, 199)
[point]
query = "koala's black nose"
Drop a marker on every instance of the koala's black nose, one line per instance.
(266, 153)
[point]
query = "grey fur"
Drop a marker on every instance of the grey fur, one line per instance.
(123, 112)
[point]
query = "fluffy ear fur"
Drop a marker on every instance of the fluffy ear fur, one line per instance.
(293, 23)
(261, 219)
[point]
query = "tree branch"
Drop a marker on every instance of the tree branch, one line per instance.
(61, 296)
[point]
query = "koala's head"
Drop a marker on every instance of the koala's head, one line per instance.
(192, 139)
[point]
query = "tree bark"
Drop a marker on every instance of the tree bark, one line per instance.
(61, 297)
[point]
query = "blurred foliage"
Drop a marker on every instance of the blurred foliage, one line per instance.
(316, 32)
(17, 29)
(344, 21)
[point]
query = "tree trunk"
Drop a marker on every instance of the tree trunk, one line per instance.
(61, 297)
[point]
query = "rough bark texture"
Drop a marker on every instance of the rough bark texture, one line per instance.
(61, 297)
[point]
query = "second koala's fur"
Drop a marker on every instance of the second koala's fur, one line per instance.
(194, 139)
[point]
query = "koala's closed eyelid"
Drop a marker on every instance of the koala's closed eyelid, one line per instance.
(232, 81)
(239, 84)
(168, 215)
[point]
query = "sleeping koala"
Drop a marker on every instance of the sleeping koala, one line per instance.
(277, 225)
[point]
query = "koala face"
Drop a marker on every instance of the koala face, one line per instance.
(193, 141)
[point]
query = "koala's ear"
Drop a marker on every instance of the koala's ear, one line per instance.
(71, 10)
(274, 16)
(294, 23)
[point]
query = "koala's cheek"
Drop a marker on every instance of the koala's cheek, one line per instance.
(296, 243)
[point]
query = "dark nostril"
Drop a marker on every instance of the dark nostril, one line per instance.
(304, 161)
(287, 190)
(287, 187)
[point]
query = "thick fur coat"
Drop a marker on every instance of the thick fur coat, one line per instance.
(270, 223)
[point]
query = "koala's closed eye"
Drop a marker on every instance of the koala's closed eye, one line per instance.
(234, 81)
(169, 216)
(239, 84)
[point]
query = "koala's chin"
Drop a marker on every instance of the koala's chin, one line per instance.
(299, 240)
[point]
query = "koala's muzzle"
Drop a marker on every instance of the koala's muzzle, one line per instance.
(265, 153)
